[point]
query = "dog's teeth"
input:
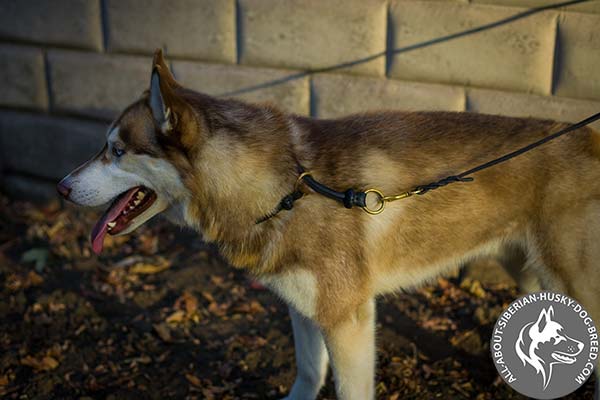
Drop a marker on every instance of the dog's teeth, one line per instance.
(140, 195)
(136, 202)
(111, 224)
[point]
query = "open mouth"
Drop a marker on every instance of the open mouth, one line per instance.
(563, 358)
(124, 208)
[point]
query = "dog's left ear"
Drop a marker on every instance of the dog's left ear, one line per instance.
(166, 106)
(165, 73)
(160, 104)
(172, 113)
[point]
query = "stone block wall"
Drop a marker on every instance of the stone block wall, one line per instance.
(69, 66)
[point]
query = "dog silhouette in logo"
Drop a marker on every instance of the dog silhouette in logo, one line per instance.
(543, 344)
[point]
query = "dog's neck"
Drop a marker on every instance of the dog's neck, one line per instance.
(243, 170)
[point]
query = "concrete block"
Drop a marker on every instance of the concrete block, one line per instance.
(578, 56)
(44, 146)
(214, 79)
(197, 29)
(310, 34)
(337, 95)
(514, 56)
(524, 105)
(72, 23)
(96, 85)
(22, 77)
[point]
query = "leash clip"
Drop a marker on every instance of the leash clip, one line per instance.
(382, 199)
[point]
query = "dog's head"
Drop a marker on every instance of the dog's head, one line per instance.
(138, 171)
(544, 343)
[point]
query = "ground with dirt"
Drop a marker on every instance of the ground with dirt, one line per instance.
(160, 315)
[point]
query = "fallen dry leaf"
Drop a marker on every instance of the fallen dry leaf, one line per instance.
(193, 380)
(46, 363)
(38, 255)
(176, 317)
(114, 241)
(187, 302)
(474, 287)
(49, 363)
(163, 332)
(34, 279)
(148, 269)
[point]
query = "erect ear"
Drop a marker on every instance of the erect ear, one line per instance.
(173, 114)
(165, 72)
(160, 104)
(163, 99)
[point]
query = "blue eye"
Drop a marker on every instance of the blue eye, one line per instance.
(117, 152)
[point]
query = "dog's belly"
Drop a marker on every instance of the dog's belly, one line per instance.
(405, 275)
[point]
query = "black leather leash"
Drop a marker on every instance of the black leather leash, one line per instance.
(351, 197)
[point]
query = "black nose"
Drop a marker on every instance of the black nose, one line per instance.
(63, 189)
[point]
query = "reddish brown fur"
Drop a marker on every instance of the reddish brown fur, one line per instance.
(238, 160)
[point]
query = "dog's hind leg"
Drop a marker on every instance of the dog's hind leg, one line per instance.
(351, 346)
(311, 358)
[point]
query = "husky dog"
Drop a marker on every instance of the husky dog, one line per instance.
(543, 343)
(219, 165)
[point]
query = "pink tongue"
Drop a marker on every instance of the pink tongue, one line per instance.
(101, 228)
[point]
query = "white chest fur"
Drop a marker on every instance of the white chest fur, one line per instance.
(296, 287)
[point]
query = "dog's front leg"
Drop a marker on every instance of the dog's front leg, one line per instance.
(311, 358)
(351, 347)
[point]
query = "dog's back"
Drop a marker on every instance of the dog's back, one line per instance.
(539, 201)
